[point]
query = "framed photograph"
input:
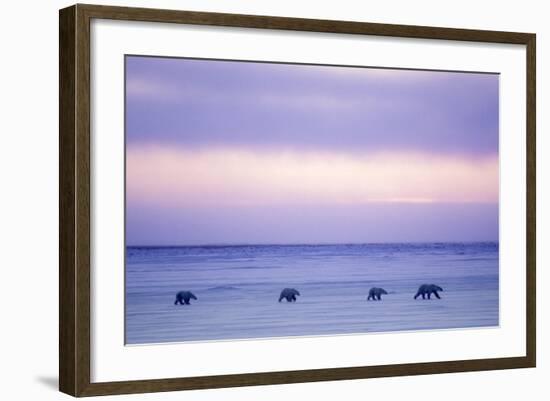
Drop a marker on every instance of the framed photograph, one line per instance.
(250, 200)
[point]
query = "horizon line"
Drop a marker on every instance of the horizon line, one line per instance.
(307, 244)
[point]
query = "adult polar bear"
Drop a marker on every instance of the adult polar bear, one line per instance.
(183, 297)
(428, 290)
(375, 293)
(289, 294)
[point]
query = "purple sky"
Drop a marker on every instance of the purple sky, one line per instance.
(241, 152)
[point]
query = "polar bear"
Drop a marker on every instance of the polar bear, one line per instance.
(183, 297)
(428, 290)
(289, 294)
(375, 293)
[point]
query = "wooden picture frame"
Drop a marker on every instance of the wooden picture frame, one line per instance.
(75, 206)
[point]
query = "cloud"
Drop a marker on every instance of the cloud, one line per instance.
(300, 224)
(150, 90)
(198, 103)
(164, 176)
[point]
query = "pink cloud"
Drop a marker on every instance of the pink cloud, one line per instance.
(165, 176)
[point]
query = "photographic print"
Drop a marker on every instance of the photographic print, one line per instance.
(275, 200)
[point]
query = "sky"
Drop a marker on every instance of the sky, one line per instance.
(233, 152)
